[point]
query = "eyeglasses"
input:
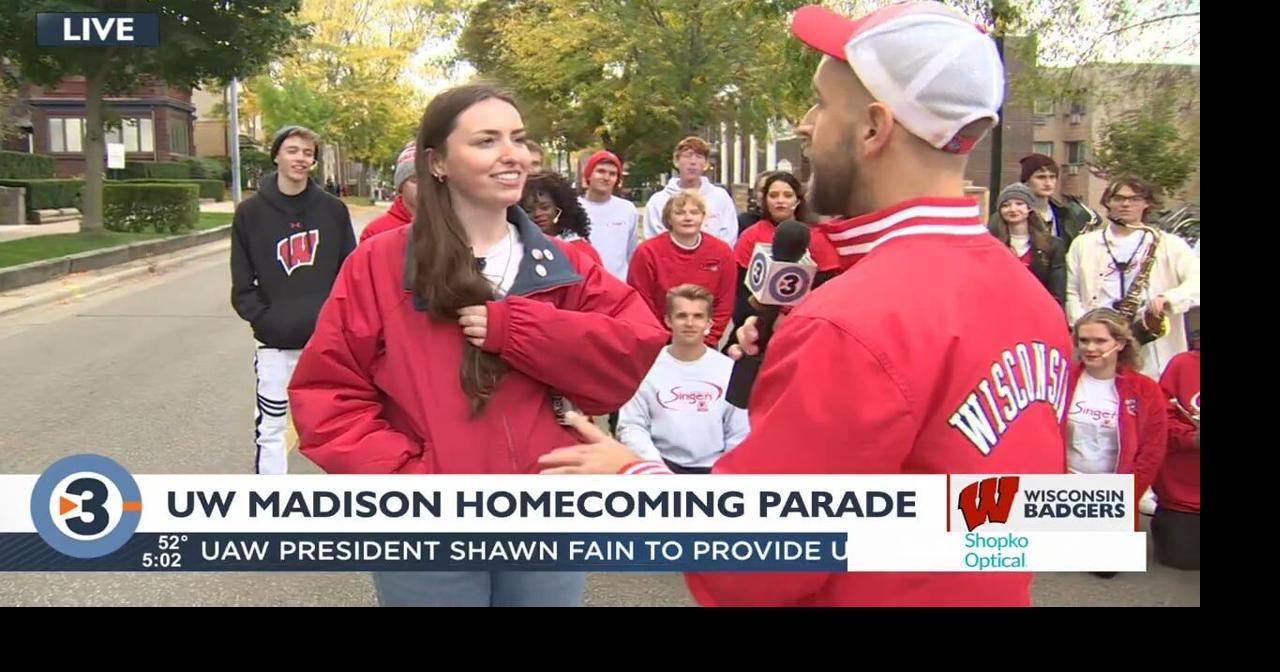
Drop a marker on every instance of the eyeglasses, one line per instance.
(1121, 200)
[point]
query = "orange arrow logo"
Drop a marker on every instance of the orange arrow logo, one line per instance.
(65, 505)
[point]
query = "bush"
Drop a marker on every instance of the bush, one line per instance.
(205, 168)
(145, 207)
(49, 194)
(214, 189)
(22, 166)
(164, 170)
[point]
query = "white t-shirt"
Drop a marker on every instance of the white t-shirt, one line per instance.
(1093, 438)
(680, 412)
(1020, 243)
(502, 262)
(613, 232)
(1134, 246)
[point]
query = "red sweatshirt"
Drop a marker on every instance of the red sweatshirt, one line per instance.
(821, 249)
(395, 217)
(660, 264)
(1178, 485)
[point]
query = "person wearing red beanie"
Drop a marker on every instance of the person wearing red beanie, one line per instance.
(1066, 216)
(613, 219)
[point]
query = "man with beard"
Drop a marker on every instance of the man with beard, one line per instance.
(937, 352)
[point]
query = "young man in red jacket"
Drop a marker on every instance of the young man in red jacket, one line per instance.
(903, 94)
(401, 211)
(1176, 525)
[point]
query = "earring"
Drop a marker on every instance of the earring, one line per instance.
(439, 177)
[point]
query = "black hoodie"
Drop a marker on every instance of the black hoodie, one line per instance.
(285, 256)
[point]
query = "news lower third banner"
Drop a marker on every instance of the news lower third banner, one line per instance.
(88, 513)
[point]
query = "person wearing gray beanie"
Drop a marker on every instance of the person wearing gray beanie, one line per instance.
(406, 202)
(1017, 224)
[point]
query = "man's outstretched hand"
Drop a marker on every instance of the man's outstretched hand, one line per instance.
(599, 455)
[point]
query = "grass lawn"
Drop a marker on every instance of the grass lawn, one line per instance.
(39, 248)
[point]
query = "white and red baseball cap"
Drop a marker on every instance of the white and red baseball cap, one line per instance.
(936, 69)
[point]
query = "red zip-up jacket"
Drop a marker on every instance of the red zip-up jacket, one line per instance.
(377, 391)
(1141, 424)
(884, 371)
(1178, 484)
(395, 217)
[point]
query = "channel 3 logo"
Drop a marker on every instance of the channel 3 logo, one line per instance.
(86, 506)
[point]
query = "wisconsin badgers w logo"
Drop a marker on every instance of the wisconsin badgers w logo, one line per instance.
(298, 250)
(980, 503)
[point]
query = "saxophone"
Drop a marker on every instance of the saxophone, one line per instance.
(1146, 327)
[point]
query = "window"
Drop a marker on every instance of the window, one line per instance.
(146, 136)
(1042, 106)
(178, 139)
(1078, 108)
(1045, 148)
(134, 133)
(66, 135)
(1075, 153)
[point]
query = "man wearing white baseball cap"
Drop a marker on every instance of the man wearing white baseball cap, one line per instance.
(954, 347)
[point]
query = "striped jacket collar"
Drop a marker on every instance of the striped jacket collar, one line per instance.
(856, 237)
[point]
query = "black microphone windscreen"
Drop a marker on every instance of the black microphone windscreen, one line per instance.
(791, 241)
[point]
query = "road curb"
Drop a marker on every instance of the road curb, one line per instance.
(36, 272)
(70, 289)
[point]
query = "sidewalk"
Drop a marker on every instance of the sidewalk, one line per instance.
(8, 233)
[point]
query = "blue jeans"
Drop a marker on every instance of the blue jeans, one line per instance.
(480, 589)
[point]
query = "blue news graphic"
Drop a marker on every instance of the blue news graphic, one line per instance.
(86, 506)
(535, 552)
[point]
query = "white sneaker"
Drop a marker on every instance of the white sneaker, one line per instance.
(1148, 504)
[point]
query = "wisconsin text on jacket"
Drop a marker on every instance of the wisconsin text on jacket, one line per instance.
(1023, 375)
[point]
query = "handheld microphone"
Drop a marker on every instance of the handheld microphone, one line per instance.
(779, 275)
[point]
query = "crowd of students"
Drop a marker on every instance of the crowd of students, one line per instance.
(492, 300)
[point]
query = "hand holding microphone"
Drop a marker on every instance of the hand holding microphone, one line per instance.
(779, 275)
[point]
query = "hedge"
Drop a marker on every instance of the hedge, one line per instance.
(164, 170)
(22, 166)
(49, 194)
(205, 168)
(214, 189)
(144, 207)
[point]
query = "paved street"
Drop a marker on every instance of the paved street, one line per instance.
(158, 375)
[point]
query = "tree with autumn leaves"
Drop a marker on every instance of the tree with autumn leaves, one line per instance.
(634, 77)
(352, 81)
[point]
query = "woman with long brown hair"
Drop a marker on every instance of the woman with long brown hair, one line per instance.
(1017, 224)
(451, 346)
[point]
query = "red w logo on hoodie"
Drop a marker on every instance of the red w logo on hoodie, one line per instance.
(298, 250)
